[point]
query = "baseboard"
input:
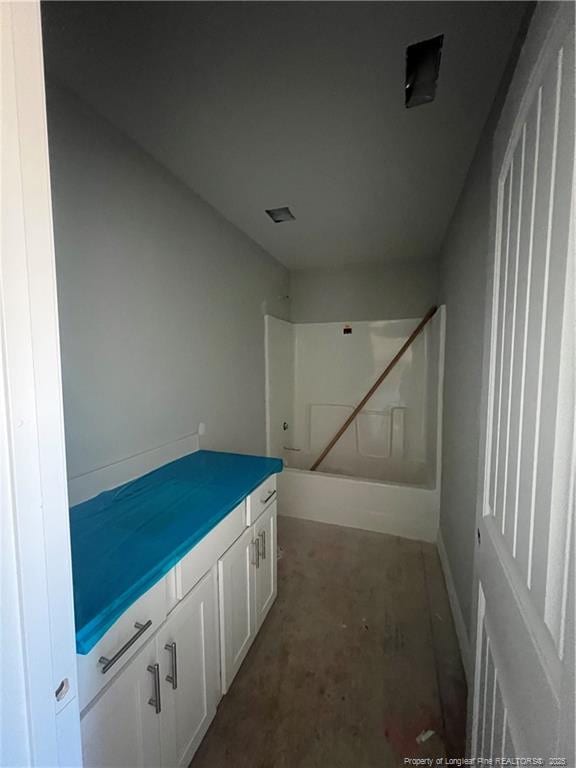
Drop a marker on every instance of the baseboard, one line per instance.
(457, 615)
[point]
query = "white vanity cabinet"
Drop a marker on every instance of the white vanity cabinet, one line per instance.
(187, 649)
(247, 589)
(159, 707)
(236, 585)
(265, 574)
(121, 642)
(260, 499)
(122, 728)
(151, 685)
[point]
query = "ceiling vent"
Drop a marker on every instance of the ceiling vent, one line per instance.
(422, 68)
(279, 215)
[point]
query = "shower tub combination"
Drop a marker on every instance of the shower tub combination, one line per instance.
(384, 473)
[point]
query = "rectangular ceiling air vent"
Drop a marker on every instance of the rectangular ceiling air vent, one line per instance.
(422, 68)
(280, 214)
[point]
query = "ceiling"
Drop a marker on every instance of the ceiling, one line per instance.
(267, 104)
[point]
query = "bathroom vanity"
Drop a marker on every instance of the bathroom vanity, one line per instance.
(174, 574)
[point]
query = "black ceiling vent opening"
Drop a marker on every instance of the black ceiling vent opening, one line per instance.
(422, 68)
(278, 215)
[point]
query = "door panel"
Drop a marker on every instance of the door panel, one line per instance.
(266, 589)
(236, 585)
(520, 649)
(496, 739)
(122, 728)
(524, 532)
(188, 708)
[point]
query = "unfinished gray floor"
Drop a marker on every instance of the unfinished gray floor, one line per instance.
(357, 657)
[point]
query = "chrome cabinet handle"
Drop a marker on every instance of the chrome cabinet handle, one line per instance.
(172, 678)
(154, 701)
(263, 540)
(107, 663)
(264, 501)
(256, 560)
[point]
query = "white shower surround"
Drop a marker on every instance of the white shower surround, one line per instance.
(314, 376)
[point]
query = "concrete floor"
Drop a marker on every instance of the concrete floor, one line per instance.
(357, 657)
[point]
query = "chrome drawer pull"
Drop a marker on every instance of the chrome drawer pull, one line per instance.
(267, 499)
(256, 546)
(173, 678)
(263, 540)
(110, 662)
(154, 701)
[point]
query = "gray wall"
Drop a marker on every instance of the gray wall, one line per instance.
(368, 292)
(464, 262)
(160, 301)
(463, 291)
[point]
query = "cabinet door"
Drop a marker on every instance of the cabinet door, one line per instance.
(187, 647)
(236, 576)
(122, 728)
(266, 586)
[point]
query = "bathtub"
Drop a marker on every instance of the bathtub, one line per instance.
(384, 475)
(408, 508)
(386, 470)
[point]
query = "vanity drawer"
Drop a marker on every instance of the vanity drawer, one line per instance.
(121, 642)
(202, 557)
(260, 499)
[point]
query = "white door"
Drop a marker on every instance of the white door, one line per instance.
(236, 584)
(266, 589)
(524, 661)
(39, 722)
(122, 729)
(187, 647)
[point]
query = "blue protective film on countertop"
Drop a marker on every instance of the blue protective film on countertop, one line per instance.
(127, 539)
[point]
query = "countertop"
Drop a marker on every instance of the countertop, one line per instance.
(126, 539)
